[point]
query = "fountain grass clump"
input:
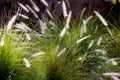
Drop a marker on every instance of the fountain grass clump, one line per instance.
(61, 50)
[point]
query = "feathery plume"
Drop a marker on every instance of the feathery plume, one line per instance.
(82, 12)
(35, 14)
(38, 54)
(23, 7)
(63, 32)
(88, 19)
(85, 23)
(36, 8)
(82, 39)
(102, 57)
(44, 2)
(60, 53)
(111, 74)
(23, 27)
(100, 51)
(91, 43)
(28, 36)
(113, 61)
(84, 26)
(42, 26)
(115, 78)
(11, 22)
(27, 63)
(103, 21)
(80, 58)
(68, 19)
(23, 16)
(48, 12)
(99, 41)
(68, 4)
(81, 31)
(101, 18)
(64, 9)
